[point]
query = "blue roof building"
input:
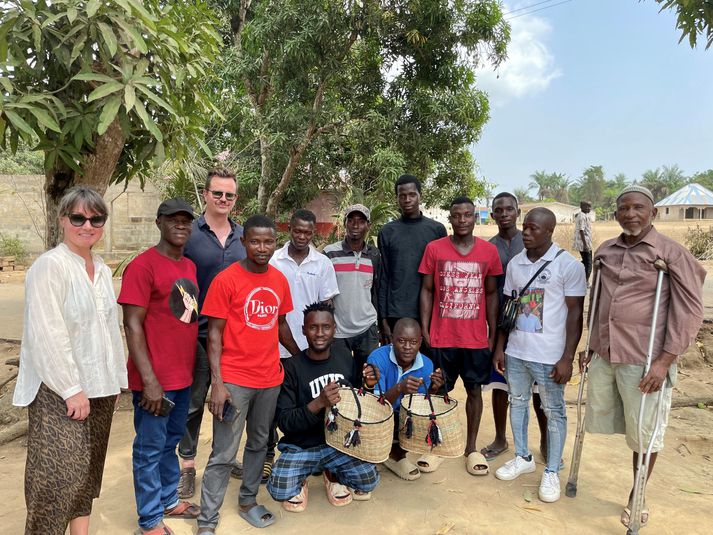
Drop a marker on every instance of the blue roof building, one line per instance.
(692, 201)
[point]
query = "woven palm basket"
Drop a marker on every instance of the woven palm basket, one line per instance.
(453, 439)
(375, 432)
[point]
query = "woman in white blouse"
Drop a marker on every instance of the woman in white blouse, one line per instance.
(72, 367)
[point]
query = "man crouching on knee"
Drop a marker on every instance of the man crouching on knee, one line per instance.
(310, 388)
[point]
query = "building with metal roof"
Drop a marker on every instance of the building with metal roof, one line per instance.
(692, 201)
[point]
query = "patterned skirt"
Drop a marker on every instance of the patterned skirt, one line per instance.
(65, 461)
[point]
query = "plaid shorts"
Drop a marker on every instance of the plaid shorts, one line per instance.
(294, 465)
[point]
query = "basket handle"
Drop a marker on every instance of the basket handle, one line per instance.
(358, 404)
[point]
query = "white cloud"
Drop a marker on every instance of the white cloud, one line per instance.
(530, 67)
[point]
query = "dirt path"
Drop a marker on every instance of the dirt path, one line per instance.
(448, 501)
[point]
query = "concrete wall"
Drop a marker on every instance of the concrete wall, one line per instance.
(131, 215)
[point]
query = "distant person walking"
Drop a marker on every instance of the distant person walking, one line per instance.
(71, 369)
(583, 236)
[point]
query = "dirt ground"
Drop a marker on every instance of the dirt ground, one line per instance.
(680, 494)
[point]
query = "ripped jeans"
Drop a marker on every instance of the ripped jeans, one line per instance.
(520, 375)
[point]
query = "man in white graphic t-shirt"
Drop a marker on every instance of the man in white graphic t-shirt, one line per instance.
(544, 355)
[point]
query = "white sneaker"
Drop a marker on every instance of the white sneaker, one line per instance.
(549, 487)
(515, 467)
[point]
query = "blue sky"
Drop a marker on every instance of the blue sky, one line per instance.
(596, 82)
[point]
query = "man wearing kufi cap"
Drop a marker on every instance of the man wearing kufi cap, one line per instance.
(622, 327)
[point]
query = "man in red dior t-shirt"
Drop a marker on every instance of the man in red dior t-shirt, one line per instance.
(159, 296)
(459, 306)
(246, 307)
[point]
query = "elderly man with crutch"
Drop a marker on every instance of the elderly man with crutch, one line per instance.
(649, 309)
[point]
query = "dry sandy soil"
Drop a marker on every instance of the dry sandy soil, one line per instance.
(448, 501)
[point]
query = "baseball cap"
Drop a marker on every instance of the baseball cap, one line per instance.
(174, 206)
(363, 210)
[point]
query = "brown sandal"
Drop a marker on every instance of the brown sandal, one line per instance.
(183, 510)
(187, 483)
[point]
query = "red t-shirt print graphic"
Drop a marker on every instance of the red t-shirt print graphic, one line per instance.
(261, 308)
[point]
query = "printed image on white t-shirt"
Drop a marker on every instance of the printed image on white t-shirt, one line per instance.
(531, 313)
(461, 289)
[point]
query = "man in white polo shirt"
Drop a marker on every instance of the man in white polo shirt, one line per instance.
(311, 277)
(310, 273)
(554, 301)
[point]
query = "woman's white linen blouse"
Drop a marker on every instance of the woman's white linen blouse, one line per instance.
(71, 340)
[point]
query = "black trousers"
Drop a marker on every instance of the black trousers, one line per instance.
(587, 261)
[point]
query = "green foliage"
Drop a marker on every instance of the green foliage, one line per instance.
(72, 69)
(694, 18)
(318, 92)
(663, 181)
(22, 162)
(700, 242)
(13, 246)
(551, 186)
(704, 178)
(523, 195)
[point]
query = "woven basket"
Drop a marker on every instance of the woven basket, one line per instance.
(453, 439)
(375, 433)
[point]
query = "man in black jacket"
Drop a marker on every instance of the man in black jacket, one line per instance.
(309, 389)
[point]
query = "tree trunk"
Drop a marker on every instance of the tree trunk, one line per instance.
(98, 169)
(262, 194)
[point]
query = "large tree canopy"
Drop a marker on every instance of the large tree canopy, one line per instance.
(345, 95)
(104, 89)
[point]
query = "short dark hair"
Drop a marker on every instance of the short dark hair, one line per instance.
(461, 199)
(503, 195)
(319, 306)
(258, 221)
(303, 215)
(220, 172)
(407, 179)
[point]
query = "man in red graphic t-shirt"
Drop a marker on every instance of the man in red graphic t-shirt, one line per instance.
(159, 297)
(459, 306)
(246, 307)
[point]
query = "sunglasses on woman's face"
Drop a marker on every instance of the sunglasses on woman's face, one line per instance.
(219, 195)
(78, 220)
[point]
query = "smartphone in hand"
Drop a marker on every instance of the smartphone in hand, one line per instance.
(166, 406)
(230, 413)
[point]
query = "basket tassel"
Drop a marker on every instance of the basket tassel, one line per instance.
(382, 399)
(434, 436)
(408, 425)
(446, 398)
(352, 438)
(332, 419)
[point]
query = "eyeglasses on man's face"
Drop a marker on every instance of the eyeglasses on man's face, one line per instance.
(217, 195)
(78, 220)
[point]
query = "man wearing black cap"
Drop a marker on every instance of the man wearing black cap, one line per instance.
(159, 296)
(356, 264)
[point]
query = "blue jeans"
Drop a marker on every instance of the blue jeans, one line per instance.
(520, 375)
(154, 459)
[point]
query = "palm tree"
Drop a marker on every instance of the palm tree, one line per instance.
(541, 182)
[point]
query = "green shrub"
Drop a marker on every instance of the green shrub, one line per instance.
(700, 242)
(10, 246)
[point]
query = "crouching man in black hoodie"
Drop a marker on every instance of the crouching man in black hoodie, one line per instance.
(310, 388)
